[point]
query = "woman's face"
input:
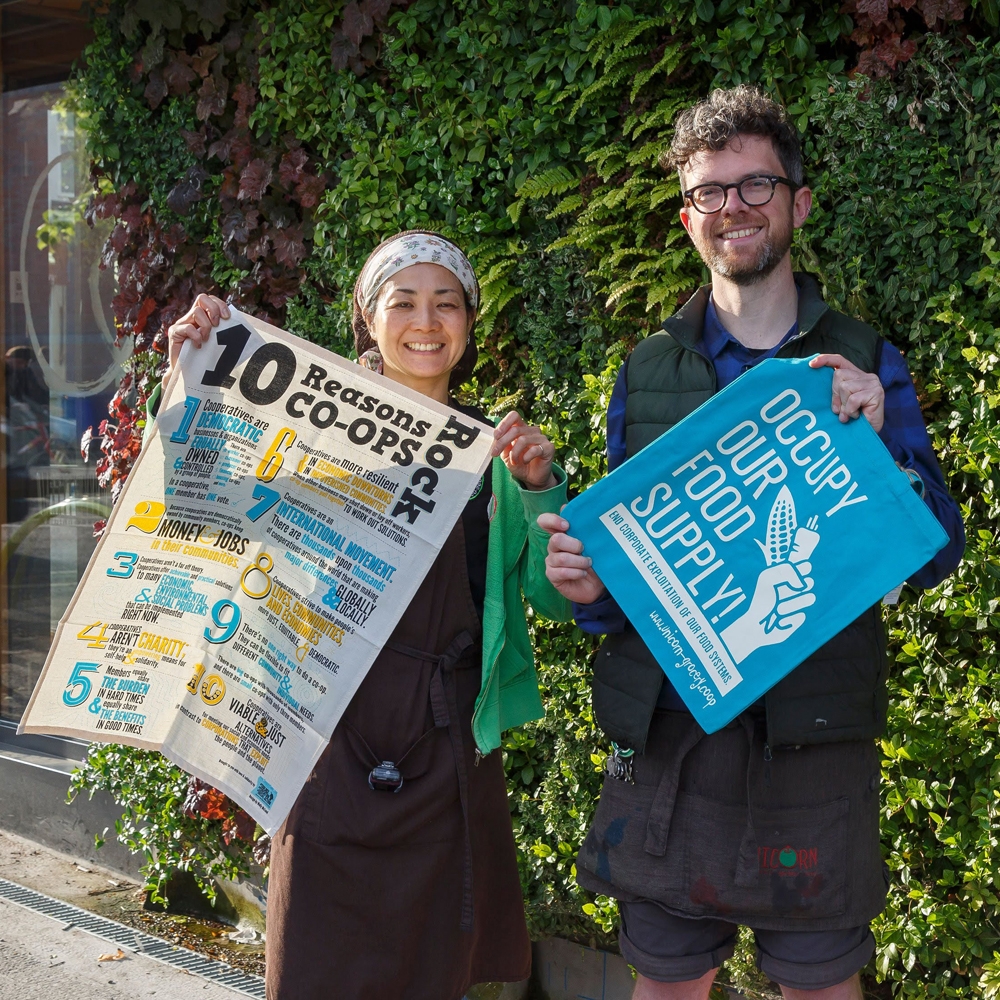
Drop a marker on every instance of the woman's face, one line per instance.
(421, 326)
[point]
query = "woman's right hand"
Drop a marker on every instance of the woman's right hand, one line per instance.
(195, 325)
(567, 569)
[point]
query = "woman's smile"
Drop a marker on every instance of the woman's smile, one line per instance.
(423, 348)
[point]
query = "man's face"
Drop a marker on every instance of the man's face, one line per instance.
(741, 242)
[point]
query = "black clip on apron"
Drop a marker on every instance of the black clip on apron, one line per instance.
(387, 776)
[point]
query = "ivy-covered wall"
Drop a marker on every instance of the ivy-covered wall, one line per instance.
(260, 150)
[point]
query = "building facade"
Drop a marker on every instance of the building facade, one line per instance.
(61, 366)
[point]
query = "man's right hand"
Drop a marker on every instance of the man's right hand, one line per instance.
(567, 569)
(195, 325)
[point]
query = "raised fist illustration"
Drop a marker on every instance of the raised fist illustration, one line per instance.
(777, 609)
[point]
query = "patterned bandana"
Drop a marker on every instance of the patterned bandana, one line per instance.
(415, 248)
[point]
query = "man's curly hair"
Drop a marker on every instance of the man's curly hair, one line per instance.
(713, 123)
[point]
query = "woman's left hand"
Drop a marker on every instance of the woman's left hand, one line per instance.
(526, 452)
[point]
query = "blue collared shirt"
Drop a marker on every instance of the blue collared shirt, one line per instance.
(903, 433)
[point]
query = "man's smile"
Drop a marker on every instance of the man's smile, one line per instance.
(738, 234)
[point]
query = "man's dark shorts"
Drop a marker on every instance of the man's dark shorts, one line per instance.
(672, 949)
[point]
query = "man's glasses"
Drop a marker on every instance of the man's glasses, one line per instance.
(753, 191)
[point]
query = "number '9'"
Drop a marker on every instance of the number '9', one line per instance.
(229, 624)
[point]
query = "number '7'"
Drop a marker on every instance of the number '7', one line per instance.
(267, 497)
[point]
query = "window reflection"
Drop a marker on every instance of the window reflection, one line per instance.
(61, 368)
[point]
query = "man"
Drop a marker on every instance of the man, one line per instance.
(771, 822)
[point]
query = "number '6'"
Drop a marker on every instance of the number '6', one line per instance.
(273, 457)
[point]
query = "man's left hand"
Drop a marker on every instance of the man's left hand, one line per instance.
(854, 391)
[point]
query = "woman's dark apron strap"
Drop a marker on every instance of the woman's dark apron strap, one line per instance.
(444, 707)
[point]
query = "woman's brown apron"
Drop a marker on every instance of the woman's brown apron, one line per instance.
(410, 894)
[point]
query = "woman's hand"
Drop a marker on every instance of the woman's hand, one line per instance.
(567, 569)
(526, 452)
(195, 325)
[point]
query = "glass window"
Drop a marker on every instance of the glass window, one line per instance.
(61, 367)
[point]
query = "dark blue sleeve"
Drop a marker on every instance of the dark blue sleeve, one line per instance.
(905, 435)
(600, 618)
(604, 615)
(616, 420)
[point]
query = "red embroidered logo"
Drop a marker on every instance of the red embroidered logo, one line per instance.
(788, 860)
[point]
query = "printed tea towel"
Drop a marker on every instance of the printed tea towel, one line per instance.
(749, 534)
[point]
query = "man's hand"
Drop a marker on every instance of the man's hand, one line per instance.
(526, 452)
(195, 325)
(854, 391)
(567, 569)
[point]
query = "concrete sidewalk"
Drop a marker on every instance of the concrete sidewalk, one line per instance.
(41, 961)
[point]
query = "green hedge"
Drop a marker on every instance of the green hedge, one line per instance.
(264, 149)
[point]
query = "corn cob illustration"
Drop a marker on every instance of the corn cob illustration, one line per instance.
(784, 541)
(781, 525)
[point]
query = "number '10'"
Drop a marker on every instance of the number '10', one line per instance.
(233, 340)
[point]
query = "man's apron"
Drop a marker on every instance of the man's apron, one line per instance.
(724, 826)
(410, 894)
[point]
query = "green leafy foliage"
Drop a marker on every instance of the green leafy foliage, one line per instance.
(530, 132)
(909, 182)
(156, 825)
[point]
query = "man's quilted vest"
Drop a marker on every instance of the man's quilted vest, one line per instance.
(839, 692)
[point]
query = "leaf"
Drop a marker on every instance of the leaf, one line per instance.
(111, 956)
(341, 50)
(291, 169)
(705, 9)
(357, 22)
(876, 10)
(309, 191)
(187, 191)
(159, 14)
(205, 801)
(211, 98)
(379, 9)
(146, 310)
(246, 99)
(212, 11)
(258, 248)
(156, 89)
(289, 247)
(221, 149)
(235, 227)
(178, 74)
(254, 180)
(202, 59)
(195, 141)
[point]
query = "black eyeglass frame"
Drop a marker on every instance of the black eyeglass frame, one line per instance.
(773, 178)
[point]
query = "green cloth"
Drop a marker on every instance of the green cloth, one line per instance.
(515, 562)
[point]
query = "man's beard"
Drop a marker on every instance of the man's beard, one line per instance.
(749, 272)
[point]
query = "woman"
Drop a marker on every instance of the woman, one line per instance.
(415, 895)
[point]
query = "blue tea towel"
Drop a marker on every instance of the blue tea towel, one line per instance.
(752, 532)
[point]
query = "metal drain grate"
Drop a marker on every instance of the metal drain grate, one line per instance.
(138, 941)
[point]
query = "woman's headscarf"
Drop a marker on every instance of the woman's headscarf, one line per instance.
(388, 259)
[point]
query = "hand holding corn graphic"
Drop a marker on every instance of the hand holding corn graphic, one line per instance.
(784, 587)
